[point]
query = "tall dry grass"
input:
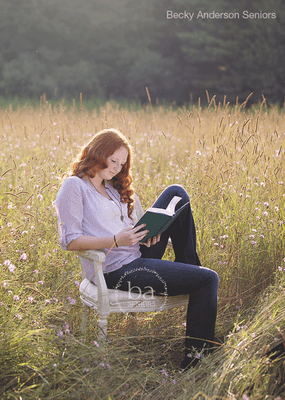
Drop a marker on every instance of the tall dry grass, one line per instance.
(231, 161)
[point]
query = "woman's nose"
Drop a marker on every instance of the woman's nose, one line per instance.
(117, 167)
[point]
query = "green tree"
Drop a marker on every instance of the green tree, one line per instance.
(238, 56)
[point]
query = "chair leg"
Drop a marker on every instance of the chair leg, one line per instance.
(133, 323)
(84, 320)
(103, 325)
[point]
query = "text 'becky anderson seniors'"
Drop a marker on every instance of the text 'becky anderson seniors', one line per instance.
(217, 15)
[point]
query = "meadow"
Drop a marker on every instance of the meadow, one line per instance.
(231, 161)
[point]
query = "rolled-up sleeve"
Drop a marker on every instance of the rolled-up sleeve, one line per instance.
(69, 208)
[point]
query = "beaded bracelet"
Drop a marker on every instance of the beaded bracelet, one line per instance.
(115, 240)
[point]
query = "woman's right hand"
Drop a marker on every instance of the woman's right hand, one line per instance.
(130, 236)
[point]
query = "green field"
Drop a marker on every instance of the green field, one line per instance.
(231, 162)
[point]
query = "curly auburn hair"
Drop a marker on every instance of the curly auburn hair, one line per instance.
(93, 158)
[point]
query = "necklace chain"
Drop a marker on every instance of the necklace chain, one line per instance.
(111, 198)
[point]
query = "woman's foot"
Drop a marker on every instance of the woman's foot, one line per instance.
(190, 361)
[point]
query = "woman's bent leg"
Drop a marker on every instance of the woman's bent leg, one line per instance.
(182, 231)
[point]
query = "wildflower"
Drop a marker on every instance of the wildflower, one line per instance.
(19, 316)
(60, 333)
(16, 297)
(40, 282)
(164, 373)
(253, 242)
(173, 381)
(7, 262)
(280, 268)
(265, 213)
(198, 152)
(23, 256)
(9, 224)
(36, 271)
(266, 204)
(163, 345)
(86, 370)
(198, 356)
(262, 184)
(96, 343)
(253, 335)
(184, 324)
(216, 244)
(108, 366)
(163, 381)
(77, 283)
(10, 292)
(12, 268)
(276, 208)
(102, 365)
(5, 284)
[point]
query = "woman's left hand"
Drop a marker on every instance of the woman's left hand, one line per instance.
(152, 241)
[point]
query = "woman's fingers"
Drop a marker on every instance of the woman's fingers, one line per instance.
(139, 227)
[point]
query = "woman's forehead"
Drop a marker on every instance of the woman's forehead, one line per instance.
(121, 153)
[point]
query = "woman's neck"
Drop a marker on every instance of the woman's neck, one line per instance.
(97, 181)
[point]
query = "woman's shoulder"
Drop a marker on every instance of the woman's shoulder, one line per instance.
(72, 183)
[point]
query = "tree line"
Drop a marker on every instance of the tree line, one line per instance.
(114, 49)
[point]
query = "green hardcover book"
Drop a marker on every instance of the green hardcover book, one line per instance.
(157, 220)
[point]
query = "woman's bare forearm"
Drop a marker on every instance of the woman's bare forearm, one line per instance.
(90, 243)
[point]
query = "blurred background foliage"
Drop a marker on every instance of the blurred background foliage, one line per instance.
(113, 49)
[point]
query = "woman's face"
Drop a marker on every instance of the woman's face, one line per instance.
(115, 163)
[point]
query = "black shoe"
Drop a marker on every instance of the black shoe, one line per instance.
(189, 362)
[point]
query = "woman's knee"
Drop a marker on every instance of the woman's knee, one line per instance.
(212, 277)
(177, 190)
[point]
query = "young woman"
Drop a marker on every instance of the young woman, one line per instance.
(95, 205)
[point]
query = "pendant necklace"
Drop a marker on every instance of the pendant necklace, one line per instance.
(111, 198)
(120, 205)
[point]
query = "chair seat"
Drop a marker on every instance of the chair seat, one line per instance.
(123, 301)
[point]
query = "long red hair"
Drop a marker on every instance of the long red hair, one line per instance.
(93, 158)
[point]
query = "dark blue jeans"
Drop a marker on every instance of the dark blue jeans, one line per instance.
(182, 276)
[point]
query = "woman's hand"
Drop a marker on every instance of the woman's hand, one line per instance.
(152, 241)
(130, 236)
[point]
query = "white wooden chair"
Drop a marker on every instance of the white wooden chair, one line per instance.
(106, 301)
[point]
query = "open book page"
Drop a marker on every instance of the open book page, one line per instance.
(170, 210)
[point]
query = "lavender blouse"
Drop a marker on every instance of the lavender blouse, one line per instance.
(81, 210)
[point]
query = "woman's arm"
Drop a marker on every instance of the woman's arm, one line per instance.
(90, 243)
(127, 237)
